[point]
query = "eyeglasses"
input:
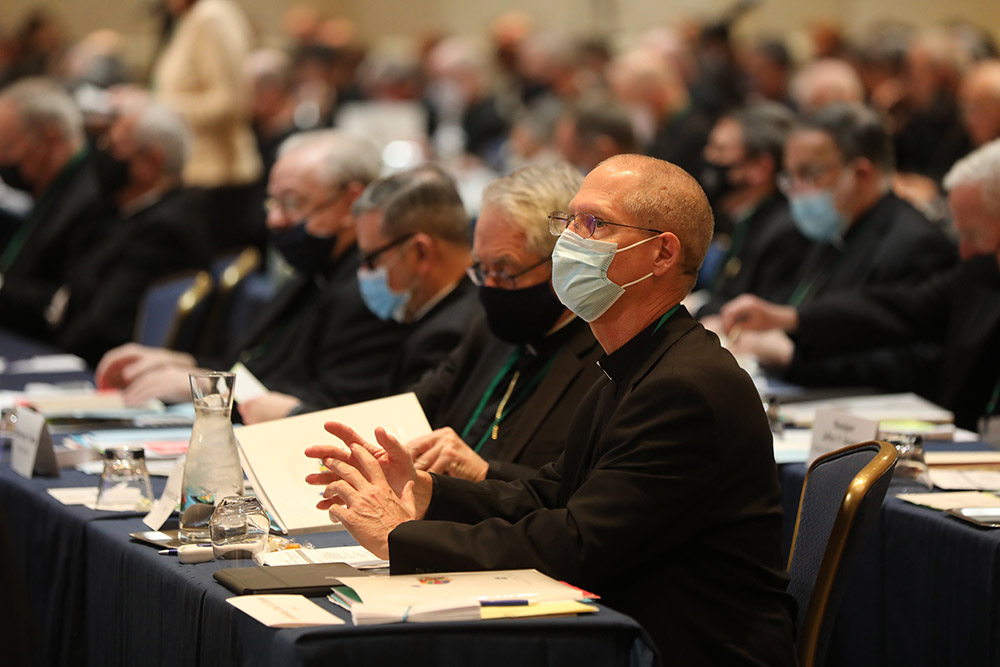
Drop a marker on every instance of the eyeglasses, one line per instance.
(291, 205)
(368, 259)
(585, 224)
(501, 279)
(806, 177)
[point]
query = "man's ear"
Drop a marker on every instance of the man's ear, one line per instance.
(423, 245)
(669, 255)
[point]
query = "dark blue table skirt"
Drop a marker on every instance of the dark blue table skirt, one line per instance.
(100, 598)
(925, 589)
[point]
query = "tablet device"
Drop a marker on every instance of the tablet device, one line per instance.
(311, 580)
(164, 539)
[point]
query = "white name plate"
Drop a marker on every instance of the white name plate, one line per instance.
(833, 429)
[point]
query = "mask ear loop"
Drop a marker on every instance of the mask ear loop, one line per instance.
(637, 243)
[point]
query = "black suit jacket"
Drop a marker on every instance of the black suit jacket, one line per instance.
(318, 341)
(68, 221)
(665, 502)
(955, 310)
(434, 336)
(767, 259)
(537, 433)
(106, 286)
(890, 243)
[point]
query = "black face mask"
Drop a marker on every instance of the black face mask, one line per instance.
(715, 182)
(112, 172)
(12, 176)
(520, 316)
(984, 270)
(306, 253)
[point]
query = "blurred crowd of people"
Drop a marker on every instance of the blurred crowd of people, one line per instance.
(824, 170)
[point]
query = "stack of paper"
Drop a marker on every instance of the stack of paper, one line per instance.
(357, 557)
(274, 462)
(881, 407)
(458, 596)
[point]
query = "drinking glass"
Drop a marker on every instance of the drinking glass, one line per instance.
(124, 483)
(239, 528)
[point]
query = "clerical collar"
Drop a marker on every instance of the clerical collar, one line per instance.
(623, 361)
(555, 338)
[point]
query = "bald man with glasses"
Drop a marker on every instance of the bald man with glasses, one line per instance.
(665, 501)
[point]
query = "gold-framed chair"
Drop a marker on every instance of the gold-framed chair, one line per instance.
(841, 497)
(231, 273)
(172, 311)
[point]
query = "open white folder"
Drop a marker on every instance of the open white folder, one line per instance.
(273, 459)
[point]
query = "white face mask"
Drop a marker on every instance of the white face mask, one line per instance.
(580, 274)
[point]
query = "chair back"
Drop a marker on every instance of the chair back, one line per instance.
(231, 273)
(841, 496)
(173, 309)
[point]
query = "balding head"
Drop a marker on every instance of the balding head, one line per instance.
(669, 199)
(823, 82)
(980, 99)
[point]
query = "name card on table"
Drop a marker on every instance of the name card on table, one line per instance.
(31, 445)
(163, 507)
(833, 429)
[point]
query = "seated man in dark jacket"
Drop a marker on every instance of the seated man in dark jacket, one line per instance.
(868, 338)
(316, 340)
(665, 501)
(43, 151)
(838, 168)
(158, 232)
(501, 401)
(413, 237)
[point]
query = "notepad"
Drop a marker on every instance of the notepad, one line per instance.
(273, 456)
(284, 611)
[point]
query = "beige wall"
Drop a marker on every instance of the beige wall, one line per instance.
(402, 19)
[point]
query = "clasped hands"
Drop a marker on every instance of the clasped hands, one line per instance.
(369, 488)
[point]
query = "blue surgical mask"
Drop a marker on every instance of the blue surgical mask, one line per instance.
(816, 216)
(580, 274)
(378, 296)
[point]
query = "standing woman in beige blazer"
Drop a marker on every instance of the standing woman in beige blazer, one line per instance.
(200, 74)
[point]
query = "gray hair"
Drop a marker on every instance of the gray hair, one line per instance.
(765, 127)
(981, 166)
(527, 196)
(858, 132)
(340, 157)
(43, 103)
(158, 127)
(426, 200)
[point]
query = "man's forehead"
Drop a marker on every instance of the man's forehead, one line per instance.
(810, 145)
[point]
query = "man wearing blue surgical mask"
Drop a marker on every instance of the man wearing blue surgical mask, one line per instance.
(838, 167)
(413, 234)
(668, 468)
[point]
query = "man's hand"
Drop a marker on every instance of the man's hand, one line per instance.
(773, 349)
(444, 452)
(170, 384)
(361, 499)
(119, 367)
(411, 488)
(751, 313)
(272, 405)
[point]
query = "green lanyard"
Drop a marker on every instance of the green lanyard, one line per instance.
(24, 230)
(666, 316)
(992, 405)
(502, 413)
(731, 266)
(806, 285)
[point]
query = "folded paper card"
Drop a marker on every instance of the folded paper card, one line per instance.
(274, 462)
(284, 611)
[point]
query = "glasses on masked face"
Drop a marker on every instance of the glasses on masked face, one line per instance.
(500, 278)
(585, 224)
(368, 259)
